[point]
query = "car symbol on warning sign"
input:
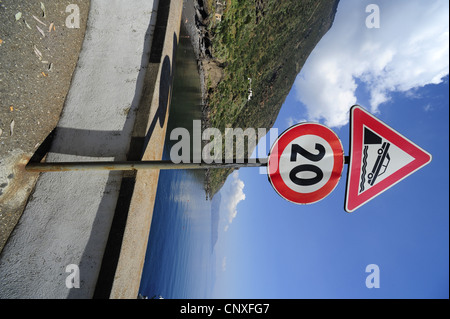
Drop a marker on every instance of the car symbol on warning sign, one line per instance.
(372, 142)
(380, 165)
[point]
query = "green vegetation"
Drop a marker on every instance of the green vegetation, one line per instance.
(267, 41)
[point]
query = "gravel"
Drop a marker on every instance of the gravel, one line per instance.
(38, 55)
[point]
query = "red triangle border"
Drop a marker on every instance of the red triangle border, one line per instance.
(359, 118)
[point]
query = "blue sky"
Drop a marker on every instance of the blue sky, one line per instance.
(271, 248)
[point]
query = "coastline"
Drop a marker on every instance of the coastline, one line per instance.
(245, 86)
(195, 26)
(195, 21)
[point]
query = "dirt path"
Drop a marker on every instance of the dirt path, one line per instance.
(35, 74)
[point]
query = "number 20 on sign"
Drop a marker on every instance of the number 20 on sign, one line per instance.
(305, 163)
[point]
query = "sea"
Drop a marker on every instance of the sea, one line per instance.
(180, 259)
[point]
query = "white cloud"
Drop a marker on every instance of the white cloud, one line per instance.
(232, 193)
(224, 263)
(409, 50)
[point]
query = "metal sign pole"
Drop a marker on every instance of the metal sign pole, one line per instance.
(136, 165)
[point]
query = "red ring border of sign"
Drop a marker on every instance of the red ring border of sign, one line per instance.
(283, 140)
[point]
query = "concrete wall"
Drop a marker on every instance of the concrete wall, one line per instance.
(132, 255)
(68, 217)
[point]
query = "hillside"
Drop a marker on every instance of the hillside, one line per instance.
(251, 53)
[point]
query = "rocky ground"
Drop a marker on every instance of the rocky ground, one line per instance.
(39, 46)
(195, 19)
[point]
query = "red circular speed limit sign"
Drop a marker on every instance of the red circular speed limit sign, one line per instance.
(305, 163)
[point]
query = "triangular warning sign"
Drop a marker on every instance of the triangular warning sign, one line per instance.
(380, 157)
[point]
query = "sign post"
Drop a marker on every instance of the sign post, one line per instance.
(306, 161)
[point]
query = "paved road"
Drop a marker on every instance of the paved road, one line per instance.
(67, 219)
